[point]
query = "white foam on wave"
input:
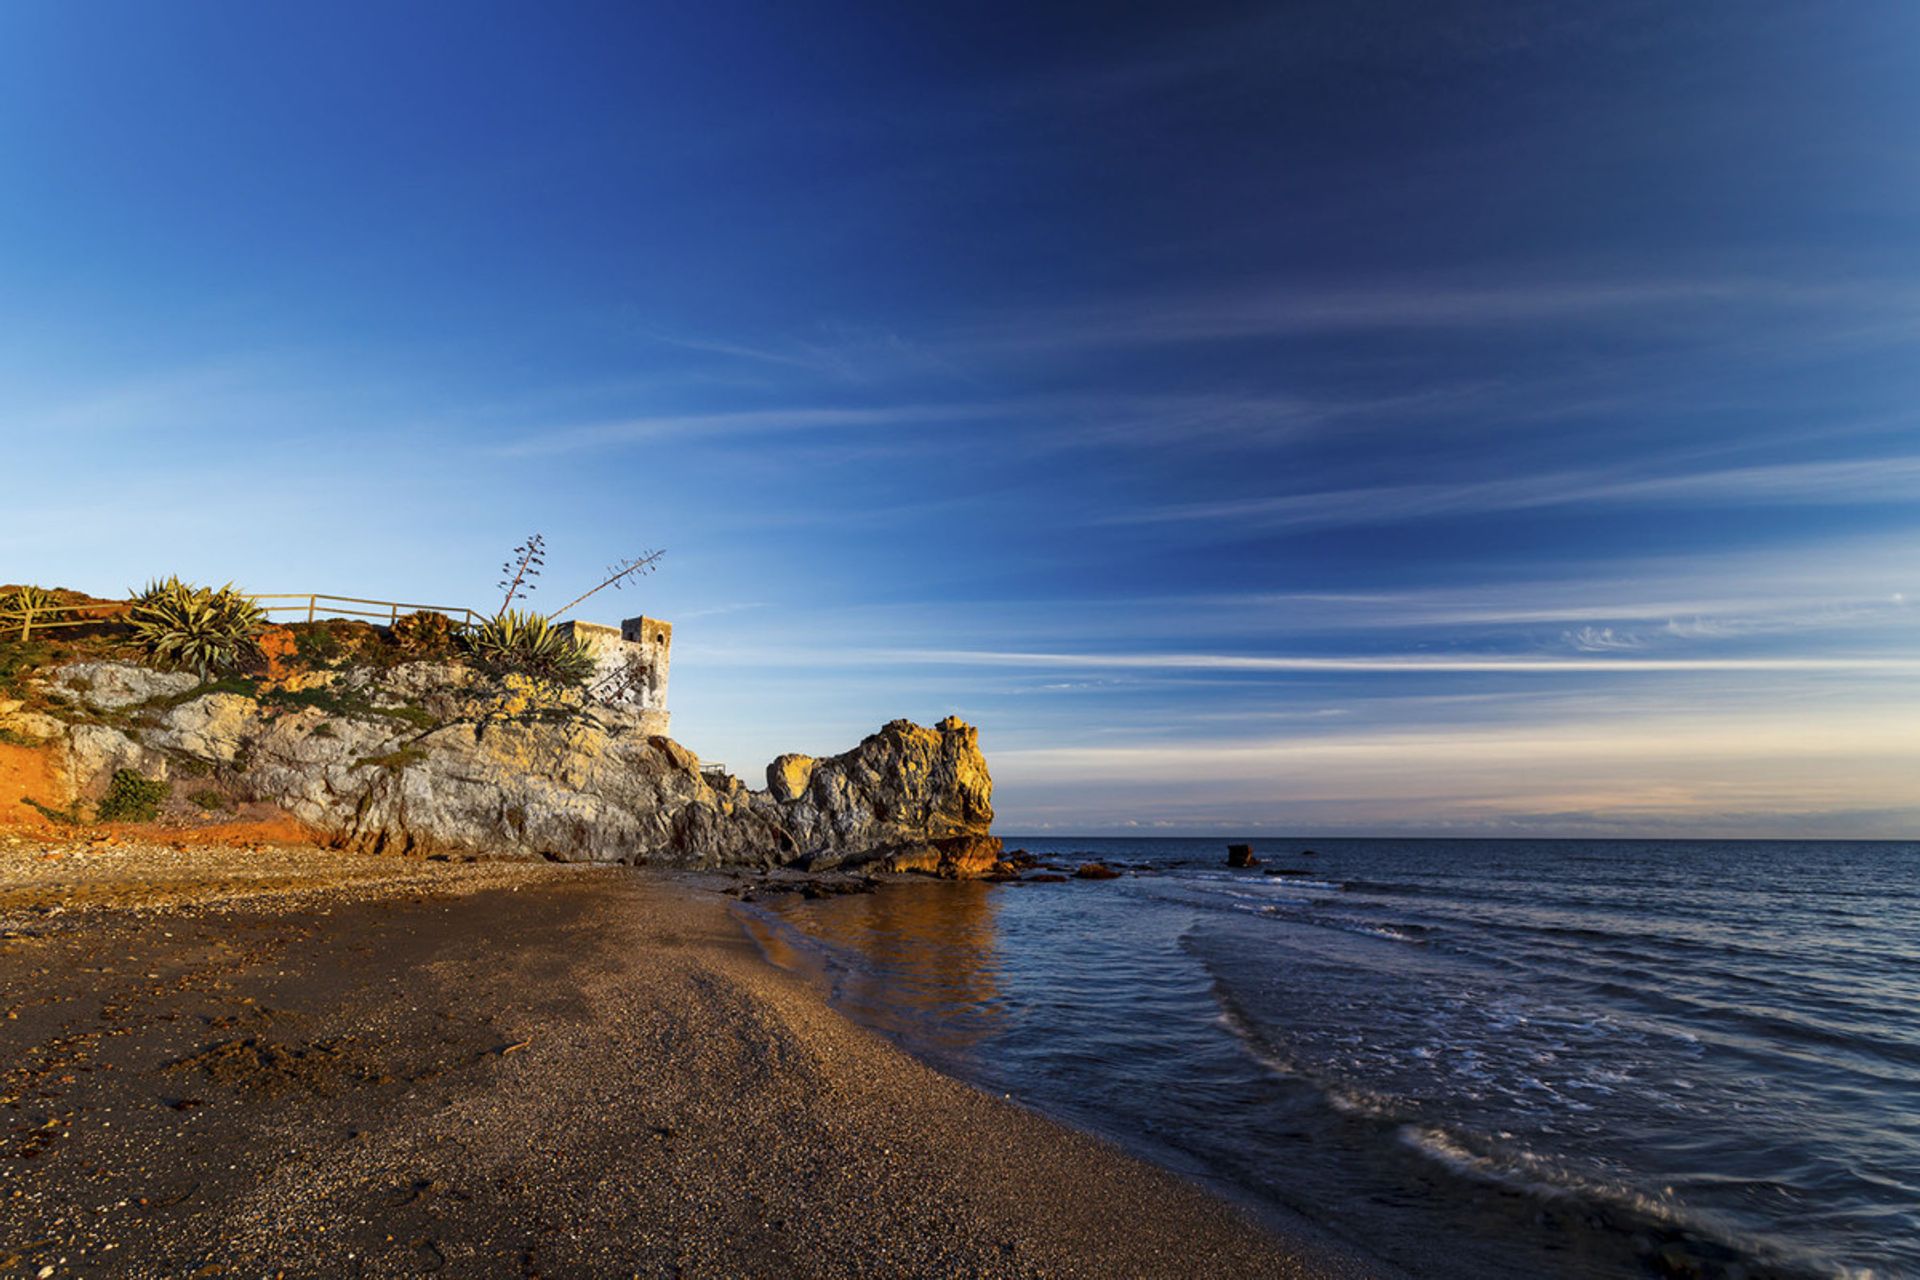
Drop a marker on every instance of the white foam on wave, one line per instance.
(1518, 1169)
(1523, 1170)
(1388, 932)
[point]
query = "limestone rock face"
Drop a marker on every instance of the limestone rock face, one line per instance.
(108, 686)
(904, 789)
(788, 777)
(430, 757)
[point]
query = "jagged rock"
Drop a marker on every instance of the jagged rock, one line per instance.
(789, 776)
(428, 757)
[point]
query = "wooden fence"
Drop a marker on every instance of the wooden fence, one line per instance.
(304, 606)
(316, 607)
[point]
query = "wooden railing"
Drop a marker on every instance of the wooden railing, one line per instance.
(317, 606)
(305, 606)
(65, 615)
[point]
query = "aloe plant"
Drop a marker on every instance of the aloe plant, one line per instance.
(204, 629)
(530, 644)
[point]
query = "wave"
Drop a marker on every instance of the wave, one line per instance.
(1621, 1207)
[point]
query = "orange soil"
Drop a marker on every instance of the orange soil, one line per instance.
(262, 826)
(27, 773)
(30, 773)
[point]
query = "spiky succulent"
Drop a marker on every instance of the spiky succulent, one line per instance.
(424, 633)
(204, 629)
(24, 606)
(531, 645)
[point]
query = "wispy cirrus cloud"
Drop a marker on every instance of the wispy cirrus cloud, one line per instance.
(1412, 307)
(655, 427)
(1882, 479)
(1413, 663)
(1043, 421)
(1591, 639)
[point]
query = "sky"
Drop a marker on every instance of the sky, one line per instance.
(1366, 418)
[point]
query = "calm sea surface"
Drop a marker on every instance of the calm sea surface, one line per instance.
(1471, 1058)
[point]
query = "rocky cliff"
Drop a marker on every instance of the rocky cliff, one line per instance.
(432, 757)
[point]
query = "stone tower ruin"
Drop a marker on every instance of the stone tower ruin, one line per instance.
(629, 666)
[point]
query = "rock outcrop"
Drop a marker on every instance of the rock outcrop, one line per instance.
(431, 757)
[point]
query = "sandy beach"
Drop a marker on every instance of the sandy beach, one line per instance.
(281, 1059)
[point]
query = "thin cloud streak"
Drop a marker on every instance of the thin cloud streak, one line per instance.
(1306, 310)
(1886, 479)
(1400, 663)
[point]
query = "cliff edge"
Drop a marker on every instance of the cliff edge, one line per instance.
(430, 757)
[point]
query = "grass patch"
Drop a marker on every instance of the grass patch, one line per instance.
(19, 660)
(132, 798)
(14, 738)
(67, 817)
(394, 760)
(349, 706)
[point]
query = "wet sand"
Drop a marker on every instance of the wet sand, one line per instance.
(235, 1061)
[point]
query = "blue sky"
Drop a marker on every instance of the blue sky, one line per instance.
(1349, 417)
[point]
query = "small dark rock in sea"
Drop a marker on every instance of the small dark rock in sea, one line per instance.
(1241, 855)
(1047, 877)
(1309, 853)
(1095, 871)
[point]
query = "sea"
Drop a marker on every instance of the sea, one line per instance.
(1463, 1058)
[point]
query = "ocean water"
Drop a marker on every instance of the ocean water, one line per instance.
(1467, 1058)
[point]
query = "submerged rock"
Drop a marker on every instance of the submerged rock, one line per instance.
(1095, 871)
(435, 758)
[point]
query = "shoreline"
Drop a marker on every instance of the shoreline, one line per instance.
(288, 1058)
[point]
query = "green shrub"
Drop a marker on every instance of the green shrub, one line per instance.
(529, 644)
(132, 798)
(209, 799)
(22, 607)
(201, 628)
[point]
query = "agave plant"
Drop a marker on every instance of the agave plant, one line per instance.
(23, 606)
(530, 644)
(159, 589)
(204, 629)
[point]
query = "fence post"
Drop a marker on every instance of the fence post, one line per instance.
(312, 601)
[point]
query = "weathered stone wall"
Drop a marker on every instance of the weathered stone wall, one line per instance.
(630, 666)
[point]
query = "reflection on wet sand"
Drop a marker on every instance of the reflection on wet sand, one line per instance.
(917, 961)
